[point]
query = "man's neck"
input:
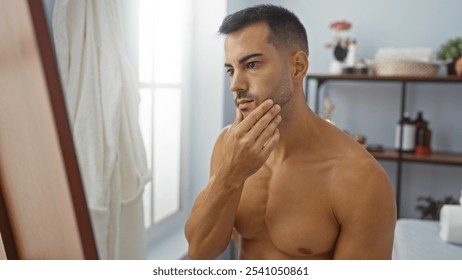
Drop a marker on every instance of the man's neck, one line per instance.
(298, 129)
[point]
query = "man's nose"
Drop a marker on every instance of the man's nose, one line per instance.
(238, 82)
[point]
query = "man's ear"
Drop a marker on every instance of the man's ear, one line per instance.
(300, 65)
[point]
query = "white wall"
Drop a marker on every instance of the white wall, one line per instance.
(373, 109)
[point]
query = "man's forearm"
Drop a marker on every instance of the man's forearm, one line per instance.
(210, 226)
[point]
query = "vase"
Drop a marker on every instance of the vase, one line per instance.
(335, 67)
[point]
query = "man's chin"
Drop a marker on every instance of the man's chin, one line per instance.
(248, 108)
(244, 113)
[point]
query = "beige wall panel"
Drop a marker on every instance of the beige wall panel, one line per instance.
(34, 182)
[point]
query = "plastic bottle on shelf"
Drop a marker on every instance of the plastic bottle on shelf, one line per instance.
(409, 134)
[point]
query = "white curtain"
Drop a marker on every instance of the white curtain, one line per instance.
(102, 99)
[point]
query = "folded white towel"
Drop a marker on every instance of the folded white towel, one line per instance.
(408, 54)
(451, 223)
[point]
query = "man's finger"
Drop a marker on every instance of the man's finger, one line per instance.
(256, 115)
(264, 121)
(272, 142)
(268, 132)
(238, 117)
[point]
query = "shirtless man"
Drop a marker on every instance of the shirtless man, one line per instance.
(285, 183)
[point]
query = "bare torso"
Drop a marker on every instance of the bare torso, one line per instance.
(319, 195)
(285, 213)
(287, 210)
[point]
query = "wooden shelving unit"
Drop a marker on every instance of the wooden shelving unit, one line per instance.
(367, 77)
(322, 78)
(435, 158)
(445, 158)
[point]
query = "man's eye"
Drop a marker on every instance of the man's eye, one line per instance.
(252, 65)
(230, 72)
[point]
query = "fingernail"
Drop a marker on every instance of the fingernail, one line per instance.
(277, 107)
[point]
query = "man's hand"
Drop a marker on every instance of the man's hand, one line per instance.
(250, 141)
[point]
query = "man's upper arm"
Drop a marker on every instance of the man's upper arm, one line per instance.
(366, 212)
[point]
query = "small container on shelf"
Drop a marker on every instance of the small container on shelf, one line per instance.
(408, 142)
(361, 68)
(422, 136)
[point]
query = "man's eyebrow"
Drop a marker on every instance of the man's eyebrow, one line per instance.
(245, 58)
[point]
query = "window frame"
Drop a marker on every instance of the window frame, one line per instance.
(160, 231)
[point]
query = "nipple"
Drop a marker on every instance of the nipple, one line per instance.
(305, 251)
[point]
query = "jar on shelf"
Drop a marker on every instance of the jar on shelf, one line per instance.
(409, 134)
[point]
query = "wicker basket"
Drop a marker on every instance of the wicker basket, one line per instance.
(404, 68)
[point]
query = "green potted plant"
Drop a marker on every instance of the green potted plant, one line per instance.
(451, 51)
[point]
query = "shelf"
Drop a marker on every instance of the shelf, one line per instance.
(403, 80)
(367, 77)
(435, 157)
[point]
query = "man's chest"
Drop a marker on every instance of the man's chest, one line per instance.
(290, 208)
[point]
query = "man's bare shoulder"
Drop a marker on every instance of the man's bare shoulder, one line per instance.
(363, 204)
(219, 142)
(218, 150)
(362, 185)
(360, 171)
(223, 132)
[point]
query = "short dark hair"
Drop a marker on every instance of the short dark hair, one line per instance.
(286, 30)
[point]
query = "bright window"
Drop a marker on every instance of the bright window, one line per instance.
(160, 68)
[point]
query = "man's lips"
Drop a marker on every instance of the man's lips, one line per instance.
(243, 104)
(243, 100)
